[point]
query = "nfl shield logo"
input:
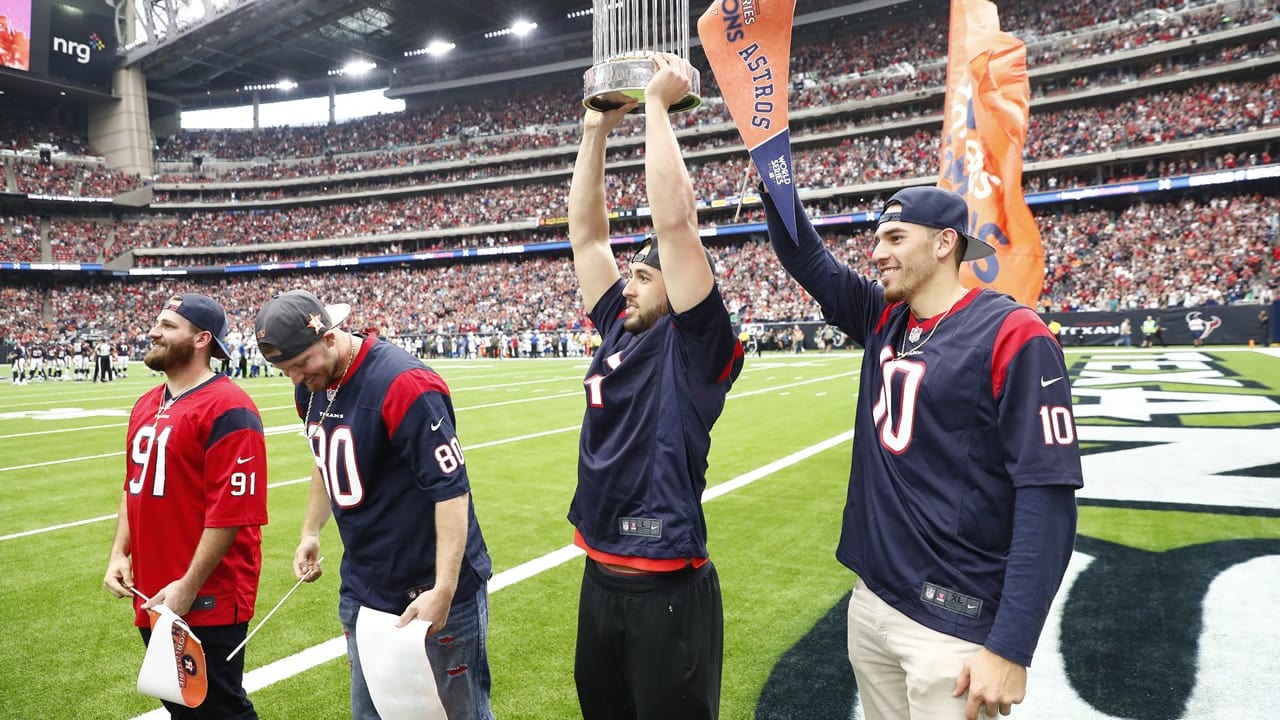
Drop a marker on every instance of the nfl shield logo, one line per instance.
(330, 393)
(914, 335)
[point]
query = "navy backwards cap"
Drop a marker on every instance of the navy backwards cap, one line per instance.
(936, 208)
(293, 321)
(206, 314)
(648, 255)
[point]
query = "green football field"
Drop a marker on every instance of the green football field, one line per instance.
(779, 468)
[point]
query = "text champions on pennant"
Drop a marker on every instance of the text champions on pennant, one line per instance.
(748, 45)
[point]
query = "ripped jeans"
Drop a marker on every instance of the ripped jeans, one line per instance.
(458, 657)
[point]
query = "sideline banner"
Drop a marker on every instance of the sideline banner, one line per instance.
(1211, 324)
(748, 44)
(988, 104)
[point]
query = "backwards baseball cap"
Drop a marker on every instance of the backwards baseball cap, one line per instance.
(648, 255)
(293, 321)
(936, 208)
(206, 314)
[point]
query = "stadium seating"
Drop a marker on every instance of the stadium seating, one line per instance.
(865, 118)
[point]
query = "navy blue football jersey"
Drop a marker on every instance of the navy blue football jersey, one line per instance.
(652, 398)
(388, 452)
(955, 413)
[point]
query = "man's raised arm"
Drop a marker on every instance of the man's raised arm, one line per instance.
(671, 198)
(588, 214)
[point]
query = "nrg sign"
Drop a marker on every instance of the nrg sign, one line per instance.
(82, 52)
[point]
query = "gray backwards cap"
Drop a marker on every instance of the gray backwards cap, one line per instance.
(293, 321)
(936, 208)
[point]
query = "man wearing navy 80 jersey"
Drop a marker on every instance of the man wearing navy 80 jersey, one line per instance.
(650, 620)
(390, 470)
(195, 495)
(961, 515)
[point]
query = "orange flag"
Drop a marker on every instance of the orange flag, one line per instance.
(983, 131)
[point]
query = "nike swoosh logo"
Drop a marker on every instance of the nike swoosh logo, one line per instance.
(1046, 383)
(241, 461)
(436, 425)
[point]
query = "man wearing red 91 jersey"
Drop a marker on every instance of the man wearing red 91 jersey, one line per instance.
(194, 499)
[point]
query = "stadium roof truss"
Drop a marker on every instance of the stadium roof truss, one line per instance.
(197, 48)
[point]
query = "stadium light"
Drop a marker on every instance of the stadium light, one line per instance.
(519, 28)
(281, 85)
(589, 11)
(436, 48)
(354, 68)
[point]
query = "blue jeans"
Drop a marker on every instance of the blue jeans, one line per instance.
(458, 658)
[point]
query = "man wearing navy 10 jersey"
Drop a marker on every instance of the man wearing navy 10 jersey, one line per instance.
(961, 515)
(650, 620)
(196, 493)
(389, 467)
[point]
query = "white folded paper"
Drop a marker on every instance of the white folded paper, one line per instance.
(396, 667)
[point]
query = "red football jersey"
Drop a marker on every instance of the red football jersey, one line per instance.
(198, 462)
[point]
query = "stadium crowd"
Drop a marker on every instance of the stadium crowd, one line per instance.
(1192, 250)
(1150, 254)
(70, 179)
(1209, 109)
(904, 56)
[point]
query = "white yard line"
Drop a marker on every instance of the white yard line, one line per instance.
(103, 518)
(478, 446)
(300, 662)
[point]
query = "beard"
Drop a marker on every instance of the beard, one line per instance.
(904, 283)
(170, 355)
(645, 319)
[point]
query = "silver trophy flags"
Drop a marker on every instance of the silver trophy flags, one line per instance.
(625, 35)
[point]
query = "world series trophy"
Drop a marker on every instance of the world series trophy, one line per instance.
(625, 35)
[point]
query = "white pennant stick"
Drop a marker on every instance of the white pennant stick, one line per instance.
(249, 637)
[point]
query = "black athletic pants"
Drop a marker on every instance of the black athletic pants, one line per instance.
(102, 373)
(226, 699)
(650, 647)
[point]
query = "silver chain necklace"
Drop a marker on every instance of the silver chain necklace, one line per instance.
(333, 394)
(166, 404)
(904, 352)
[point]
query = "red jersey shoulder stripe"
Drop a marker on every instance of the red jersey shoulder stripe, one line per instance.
(406, 389)
(884, 315)
(728, 367)
(1018, 328)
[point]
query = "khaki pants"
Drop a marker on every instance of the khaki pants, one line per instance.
(903, 669)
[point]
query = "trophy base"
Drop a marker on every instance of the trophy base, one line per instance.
(618, 81)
